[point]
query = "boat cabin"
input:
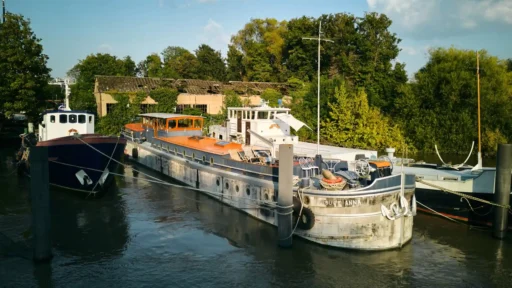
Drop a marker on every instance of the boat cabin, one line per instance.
(258, 126)
(61, 123)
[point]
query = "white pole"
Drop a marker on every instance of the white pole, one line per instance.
(319, 39)
(318, 96)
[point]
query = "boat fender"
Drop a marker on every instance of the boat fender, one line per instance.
(307, 219)
(135, 153)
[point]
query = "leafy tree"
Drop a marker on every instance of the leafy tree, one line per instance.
(192, 111)
(261, 44)
(123, 112)
(354, 124)
(231, 99)
(272, 96)
(235, 66)
(442, 108)
(166, 99)
(211, 65)
(85, 72)
(23, 72)
(173, 52)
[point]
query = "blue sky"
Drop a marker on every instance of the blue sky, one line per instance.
(72, 29)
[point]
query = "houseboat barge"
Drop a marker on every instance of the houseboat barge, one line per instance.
(353, 204)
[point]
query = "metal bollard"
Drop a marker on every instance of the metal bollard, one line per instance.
(40, 194)
(502, 190)
(285, 195)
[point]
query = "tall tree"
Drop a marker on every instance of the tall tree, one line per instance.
(211, 65)
(235, 66)
(441, 106)
(85, 72)
(173, 52)
(23, 71)
(261, 43)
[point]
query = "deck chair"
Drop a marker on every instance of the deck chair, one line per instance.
(252, 158)
(234, 155)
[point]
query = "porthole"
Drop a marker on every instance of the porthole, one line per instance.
(274, 197)
(175, 151)
(193, 156)
(306, 200)
(248, 191)
(227, 185)
(204, 158)
(218, 182)
(211, 160)
(184, 153)
(266, 196)
(237, 188)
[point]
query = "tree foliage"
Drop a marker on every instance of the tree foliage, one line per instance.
(123, 112)
(272, 96)
(166, 99)
(441, 106)
(353, 123)
(24, 75)
(211, 66)
(85, 72)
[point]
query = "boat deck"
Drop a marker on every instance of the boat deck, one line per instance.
(205, 144)
(347, 154)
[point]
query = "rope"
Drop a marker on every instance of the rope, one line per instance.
(463, 195)
(435, 212)
(106, 167)
(158, 181)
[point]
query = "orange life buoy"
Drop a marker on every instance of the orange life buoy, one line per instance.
(72, 130)
(333, 181)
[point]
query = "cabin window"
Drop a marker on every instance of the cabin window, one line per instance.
(262, 115)
(90, 119)
(172, 124)
(197, 123)
(63, 118)
(72, 118)
(161, 124)
(211, 160)
(183, 123)
(81, 119)
(52, 119)
(252, 114)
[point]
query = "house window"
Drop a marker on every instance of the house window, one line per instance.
(202, 107)
(52, 119)
(181, 107)
(63, 118)
(110, 107)
(81, 119)
(72, 118)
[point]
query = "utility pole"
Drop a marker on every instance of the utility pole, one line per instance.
(478, 95)
(3, 11)
(319, 39)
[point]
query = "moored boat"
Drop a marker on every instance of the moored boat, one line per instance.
(78, 159)
(355, 204)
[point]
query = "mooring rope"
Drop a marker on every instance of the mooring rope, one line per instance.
(507, 206)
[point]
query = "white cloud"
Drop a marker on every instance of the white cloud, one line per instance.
(214, 35)
(409, 50)
(106, 48)
(446, 17)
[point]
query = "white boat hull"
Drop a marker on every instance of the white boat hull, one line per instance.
(346, 219)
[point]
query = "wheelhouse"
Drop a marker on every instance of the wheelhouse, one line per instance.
(61, 123)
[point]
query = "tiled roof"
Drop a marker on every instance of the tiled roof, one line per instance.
(191, 86)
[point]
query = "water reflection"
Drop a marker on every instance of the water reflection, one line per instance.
(91, 229)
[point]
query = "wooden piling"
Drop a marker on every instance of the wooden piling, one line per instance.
(502, 189)
(40, 198)
(285, 196)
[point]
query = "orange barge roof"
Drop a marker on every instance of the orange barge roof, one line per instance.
(205, 144)
(135, 127)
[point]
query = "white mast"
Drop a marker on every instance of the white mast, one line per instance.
(319, 39)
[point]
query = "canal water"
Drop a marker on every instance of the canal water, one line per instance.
(143, 234)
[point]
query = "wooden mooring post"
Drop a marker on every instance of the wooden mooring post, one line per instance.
(285, 196)
(40, 198)
(502, 190)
